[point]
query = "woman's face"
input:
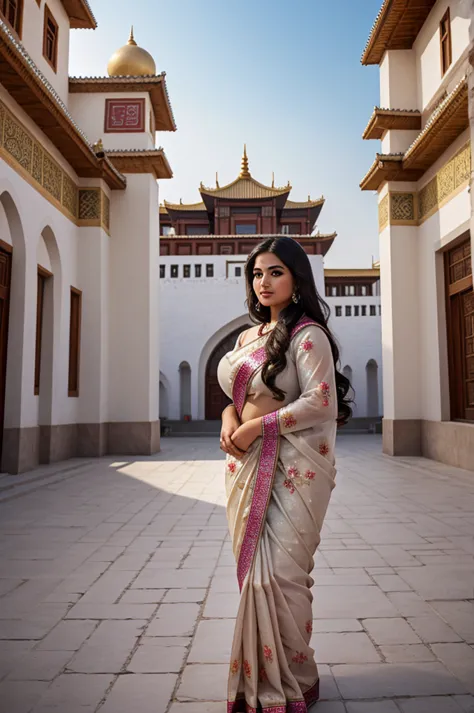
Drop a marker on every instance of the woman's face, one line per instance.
(272, 281)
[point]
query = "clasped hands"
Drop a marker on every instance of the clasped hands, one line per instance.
(236, 438)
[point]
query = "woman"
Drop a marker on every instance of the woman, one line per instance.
(279, 436)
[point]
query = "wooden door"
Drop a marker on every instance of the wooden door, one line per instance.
(460, 317)
(216, 400)
(5, 277)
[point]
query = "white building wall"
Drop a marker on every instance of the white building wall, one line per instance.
(32, 39)
(427, 50)
(197, 313)
(88, 110)
(360, 341)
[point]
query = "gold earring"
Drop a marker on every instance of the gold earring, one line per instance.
(295, 298)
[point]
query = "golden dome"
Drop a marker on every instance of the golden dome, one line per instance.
(131, 61)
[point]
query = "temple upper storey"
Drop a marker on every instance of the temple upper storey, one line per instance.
(244, 207)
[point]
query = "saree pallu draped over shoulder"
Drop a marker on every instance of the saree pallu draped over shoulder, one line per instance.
(278, 495)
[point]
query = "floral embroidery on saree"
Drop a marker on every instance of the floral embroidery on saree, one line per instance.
(288, 419)
(232, 467)
(247, 669)
(299, 657)
(268, 654)
(309, 626)
(323, 448)
(326, 392)
(262, 675)
(307, 345)
(235, 666)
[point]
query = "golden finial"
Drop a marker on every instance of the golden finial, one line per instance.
(273, 179)
(288, 182)
(98, 146)
(244, 170)
(217, 180)
(131, 39)
(180, 201)
(309, 198)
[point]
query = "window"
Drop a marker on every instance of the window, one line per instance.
(285, 229)
(174, 271)
(166, 230)
(380, 309)
(363, 290)
(50, 38)
(245, 229)
(186, 270)
(197, 270)
(12, 12)
(363, 311)
(209, 270)
(373, 310)
(74, 341)
(348, 311)
(346, 290)
(338, 311)
(356, 311)
(162, 270)
(42, 277)
(445, 41)
(197, 230)
(238, 272)
(334, 291)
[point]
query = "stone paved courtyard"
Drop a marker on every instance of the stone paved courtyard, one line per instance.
(118, 586)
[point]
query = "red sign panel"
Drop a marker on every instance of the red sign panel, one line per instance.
(124, 115)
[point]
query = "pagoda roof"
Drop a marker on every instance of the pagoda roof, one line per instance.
(396, 27)
(447, 122)
(33, 92)
(80, 14)
(245, 188)
(201, 206)
(154, 85)
(304, 204)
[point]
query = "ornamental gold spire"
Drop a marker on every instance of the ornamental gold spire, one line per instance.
(244, 170)
(131, 39)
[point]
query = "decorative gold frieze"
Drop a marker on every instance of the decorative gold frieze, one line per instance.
(414, 208)
(26, 155)
(52, 177)
(383, 213)
(402, 208)
(89, 204)
(17, 142)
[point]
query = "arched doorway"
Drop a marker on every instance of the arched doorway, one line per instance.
(216, 400)
(372, 388)
(12, 315)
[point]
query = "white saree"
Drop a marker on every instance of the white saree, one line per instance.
(278, 495)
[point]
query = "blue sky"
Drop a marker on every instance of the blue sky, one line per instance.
(284, 77)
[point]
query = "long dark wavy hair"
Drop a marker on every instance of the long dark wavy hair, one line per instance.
(310, 304)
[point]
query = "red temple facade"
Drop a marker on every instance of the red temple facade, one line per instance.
(232, 219)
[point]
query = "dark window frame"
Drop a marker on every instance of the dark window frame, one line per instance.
(209, 270)
(338, 312)
(75, 319)
(174, 269)
(49, 22)
(445, 42)
(162, 271)
(197, 270)
(186, 271)
(43, 276)
(17, 7)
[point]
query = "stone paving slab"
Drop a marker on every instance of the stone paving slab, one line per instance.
(118, 588)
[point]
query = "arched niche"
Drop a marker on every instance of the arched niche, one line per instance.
(372, 378)
(184, 389)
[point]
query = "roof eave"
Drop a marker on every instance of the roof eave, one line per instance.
(31, 90)
(80, 14)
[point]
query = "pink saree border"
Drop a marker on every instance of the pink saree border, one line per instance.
(261, 494)
(310, 697)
